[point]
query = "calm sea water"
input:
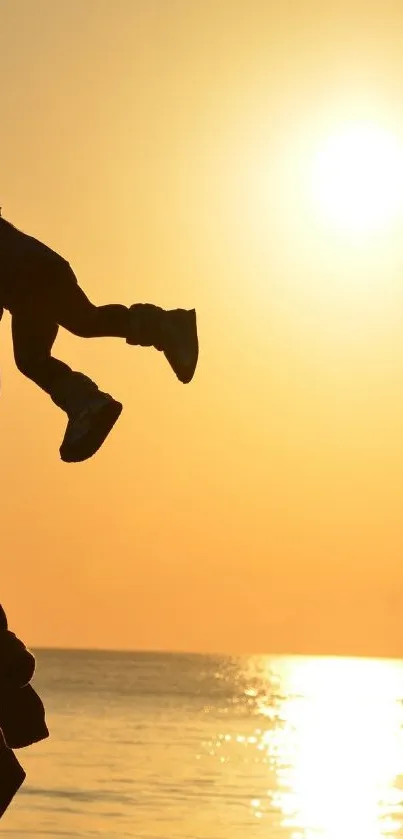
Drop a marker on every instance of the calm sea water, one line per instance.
(155, 746)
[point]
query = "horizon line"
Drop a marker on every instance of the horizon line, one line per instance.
(184, 652)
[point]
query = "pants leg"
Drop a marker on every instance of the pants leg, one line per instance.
(33, 339)
(72, 309)
(54, 298)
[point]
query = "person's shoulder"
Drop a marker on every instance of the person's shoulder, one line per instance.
(7, 228)
(5, 223)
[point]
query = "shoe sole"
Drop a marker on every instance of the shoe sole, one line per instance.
(185, 370)
(107, 416)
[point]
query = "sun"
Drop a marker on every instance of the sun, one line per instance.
(358, 178)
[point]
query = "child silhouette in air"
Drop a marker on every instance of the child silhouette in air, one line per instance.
(40, 290)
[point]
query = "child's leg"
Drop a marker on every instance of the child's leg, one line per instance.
(143, 324)
(48, 294)
(72, 309)
(92, 414)
(33, 339)
(49, 290)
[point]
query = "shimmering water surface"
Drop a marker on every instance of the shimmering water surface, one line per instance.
(163, 746)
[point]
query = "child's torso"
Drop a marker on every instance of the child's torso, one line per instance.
(19, 252)
(15, 244)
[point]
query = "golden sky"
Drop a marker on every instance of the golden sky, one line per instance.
(166, 148)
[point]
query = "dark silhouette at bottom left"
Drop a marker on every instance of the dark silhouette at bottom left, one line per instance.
(22, 714)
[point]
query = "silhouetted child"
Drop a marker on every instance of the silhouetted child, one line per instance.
(40, 290)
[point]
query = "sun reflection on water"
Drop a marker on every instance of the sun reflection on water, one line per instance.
(340, 749)
(326, 748)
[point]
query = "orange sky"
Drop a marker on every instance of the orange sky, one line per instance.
(162, 146)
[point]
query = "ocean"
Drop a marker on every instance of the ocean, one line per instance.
(167, 746)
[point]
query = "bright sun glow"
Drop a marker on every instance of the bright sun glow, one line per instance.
(340, 750)
(358, 178)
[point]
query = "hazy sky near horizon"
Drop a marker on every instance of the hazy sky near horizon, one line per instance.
(165, 147)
